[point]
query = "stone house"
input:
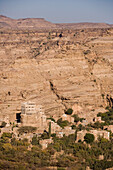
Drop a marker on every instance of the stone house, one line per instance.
(101, 133)
(97, 119)
(6, 130)
(28, 136)
(109, 127)
(96, 133)
(84, 122)
(54, 126)
(59, 134)
(32, 115)
(77, 109)
(69, 118)
(44, 143)
(6, 120)
(66, 131)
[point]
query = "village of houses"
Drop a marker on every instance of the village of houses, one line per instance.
(32, 115)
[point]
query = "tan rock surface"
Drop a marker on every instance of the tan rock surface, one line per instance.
(55, 72)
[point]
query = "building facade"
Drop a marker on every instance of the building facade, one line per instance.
(96, 133)
(33, 115)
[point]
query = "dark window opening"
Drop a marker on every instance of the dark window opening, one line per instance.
(93, 119)
(9, 93)
(60, 35)
(18, 117)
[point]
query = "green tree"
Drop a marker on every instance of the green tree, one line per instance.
(62, 123)
(45, 135)
(89, 138)
(8, 135)
(3, 124)
(49, 129)
(69, 111)
(76, 118)
(27, 129)
(35, 141)
(75, 134)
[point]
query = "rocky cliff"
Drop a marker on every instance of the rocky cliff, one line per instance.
(55, 71)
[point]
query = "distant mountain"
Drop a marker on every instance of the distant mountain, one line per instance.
(84, 25)
(29, 23)
(41, 23)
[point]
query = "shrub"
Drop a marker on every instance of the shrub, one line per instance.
(80, 127)
(45, 136)
(27, 129)
(53, 135)
(102, 95)
(107, 116)
(81, 119)
(49, 129)
(87, 52)
(15, 142)
(8, 135)
(69, 111)
(35, 141)
(5, 138)
(73, 126)
(101, 164)
(79, 140)
(62, 123)
(76, 118)
(107, 108)
(3, 124)
(98, 125)
(89, 138)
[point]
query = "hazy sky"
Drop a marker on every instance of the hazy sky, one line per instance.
(60, 10)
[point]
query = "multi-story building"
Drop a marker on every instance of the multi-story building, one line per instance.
(33, 115)
(28, 108)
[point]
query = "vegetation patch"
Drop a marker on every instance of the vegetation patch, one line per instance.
(69, 111)
(27, 129)
(89, 138)
(62, 123)
(107, 116)
(3, 124)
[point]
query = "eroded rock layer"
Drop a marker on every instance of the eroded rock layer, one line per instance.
(55, 71)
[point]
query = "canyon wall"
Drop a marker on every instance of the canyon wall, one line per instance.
(55, 71)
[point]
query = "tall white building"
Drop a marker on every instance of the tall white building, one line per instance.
(28, 108)
(33, 115)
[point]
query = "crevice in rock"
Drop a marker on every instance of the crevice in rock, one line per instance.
(54, 90)
(109, 100)
(22, 95)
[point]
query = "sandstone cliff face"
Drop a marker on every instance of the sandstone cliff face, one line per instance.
(55, 72)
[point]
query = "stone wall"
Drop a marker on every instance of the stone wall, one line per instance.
(96, 133)
(44, 143)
